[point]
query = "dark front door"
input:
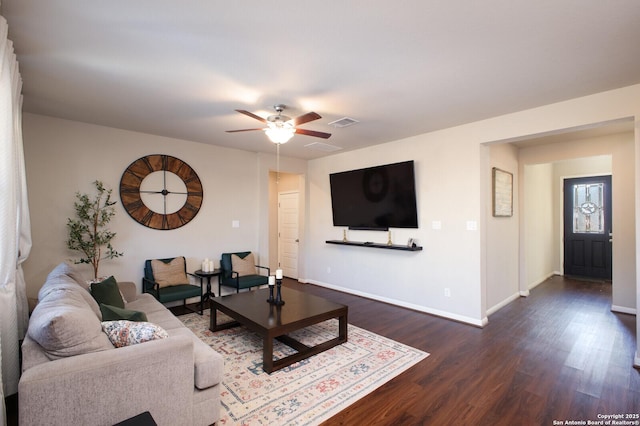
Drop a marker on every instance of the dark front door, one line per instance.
(587, 227)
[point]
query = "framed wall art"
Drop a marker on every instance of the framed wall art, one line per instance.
(502, 193)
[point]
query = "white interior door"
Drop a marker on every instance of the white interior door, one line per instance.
(288, 233)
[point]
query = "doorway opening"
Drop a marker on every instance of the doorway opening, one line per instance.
(587, 227)
(286, 195)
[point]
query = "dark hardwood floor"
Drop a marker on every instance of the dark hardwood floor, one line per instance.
(559, 354)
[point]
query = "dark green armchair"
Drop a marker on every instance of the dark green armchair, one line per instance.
(168, 280)
(243, 274)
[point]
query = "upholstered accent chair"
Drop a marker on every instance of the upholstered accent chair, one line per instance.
(168, 280)
(240, 271)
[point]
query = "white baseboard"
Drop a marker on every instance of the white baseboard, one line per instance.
(448, 315)
(623, 310)
(504, 303)
(541, 280)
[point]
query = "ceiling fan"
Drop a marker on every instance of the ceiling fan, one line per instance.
(281, 128)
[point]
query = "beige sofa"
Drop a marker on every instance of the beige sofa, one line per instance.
(73, 375)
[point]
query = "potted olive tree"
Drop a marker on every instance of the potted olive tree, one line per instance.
(87, 232)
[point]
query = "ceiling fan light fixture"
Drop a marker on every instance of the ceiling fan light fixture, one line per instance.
(281, 128)
(279, 132)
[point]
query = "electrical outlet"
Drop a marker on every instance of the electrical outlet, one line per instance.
(328, 269)
(447, 292)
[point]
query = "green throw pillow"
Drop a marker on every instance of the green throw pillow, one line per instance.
(107, 292)
(113, 313)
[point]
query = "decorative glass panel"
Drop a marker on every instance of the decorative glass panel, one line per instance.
(588, 209)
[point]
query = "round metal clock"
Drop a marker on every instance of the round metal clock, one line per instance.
(161, 192)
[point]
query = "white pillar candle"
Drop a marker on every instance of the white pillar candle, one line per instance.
(272, 280)
(278, 274)
(211, 267)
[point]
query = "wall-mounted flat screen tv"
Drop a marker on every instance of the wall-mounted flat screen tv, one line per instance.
(376, 198)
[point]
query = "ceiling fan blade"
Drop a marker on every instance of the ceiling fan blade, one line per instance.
(252, 115)
(305, 118)
(242, 130)
(322, 135)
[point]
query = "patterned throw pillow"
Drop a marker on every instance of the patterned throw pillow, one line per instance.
(168, 274)
(126, 333)
(246, 266)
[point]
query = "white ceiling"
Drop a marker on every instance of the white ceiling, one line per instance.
(181, 68)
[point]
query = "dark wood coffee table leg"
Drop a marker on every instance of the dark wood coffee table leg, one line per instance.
(303, 351)
(267, 353)
(213, 322)
(342, 320)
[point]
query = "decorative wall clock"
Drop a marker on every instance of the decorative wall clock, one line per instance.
(161, 192)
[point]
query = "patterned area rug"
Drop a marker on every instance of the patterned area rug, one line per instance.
(307, 392)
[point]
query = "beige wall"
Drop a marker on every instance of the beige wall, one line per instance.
(448, 188)
(539, 233)
(452, 183)
(63, 157)
(502, 234)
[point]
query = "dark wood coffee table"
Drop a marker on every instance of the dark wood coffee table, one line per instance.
(300, 310)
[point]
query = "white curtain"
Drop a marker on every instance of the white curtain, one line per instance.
(15, 233)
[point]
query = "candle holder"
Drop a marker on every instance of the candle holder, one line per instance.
(278, 300)
(271, 299)
(272, 283)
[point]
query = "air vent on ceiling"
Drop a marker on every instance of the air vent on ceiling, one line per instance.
(343, 122)
(319, 146)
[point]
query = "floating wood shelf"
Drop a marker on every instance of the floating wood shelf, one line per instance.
(374, 245)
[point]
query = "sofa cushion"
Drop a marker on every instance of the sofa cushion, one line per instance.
(64, 325)
(71, 271)
(147, 304)
(128, 291)
(165, 319)
(64, 283)
(208, 364)
(107, 292)
(125, 333)
(171, 273)
(112, 313)
(246, 266)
